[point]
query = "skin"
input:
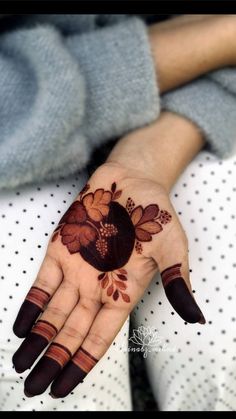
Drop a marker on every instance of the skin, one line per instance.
(74, 311)
(189, 46)
(79, 307)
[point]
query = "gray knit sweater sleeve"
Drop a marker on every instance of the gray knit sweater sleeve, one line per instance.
(62, 92)
(70, 83)
(210, 102)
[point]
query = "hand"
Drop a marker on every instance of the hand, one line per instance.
(100, 259)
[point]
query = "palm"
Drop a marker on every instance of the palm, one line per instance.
(99, 261)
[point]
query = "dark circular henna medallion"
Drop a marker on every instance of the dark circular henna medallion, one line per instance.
(119, 247)
(105, 233)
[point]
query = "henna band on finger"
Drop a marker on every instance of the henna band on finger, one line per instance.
(58, 353)
(84, 360)
(38, 296)
(73, 374)
(171, 273)
(36, 341)
(45, 329)
(179, 295)
(34, 303)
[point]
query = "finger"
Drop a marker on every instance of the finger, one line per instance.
(47, 327)
(48, 280)
(104, 329)
(63, 347)
(174, 268)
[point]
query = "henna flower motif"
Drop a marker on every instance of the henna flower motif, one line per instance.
(143, 221)
(97, 204)
(78, 227)
(76, 235)
(75, 214)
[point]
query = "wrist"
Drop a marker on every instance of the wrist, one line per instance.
(160, 151)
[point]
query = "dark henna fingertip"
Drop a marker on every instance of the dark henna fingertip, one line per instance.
(47, 369)
(37, 340)
(179, 295)
(28, 394)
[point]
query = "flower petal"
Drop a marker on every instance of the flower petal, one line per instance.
(76, 213)
(95, 214)
(150, 212)
(110, 290)
(69, 232)
(116, 295)
(88, 200)
(86, 234)
(105, 281)
(97, 204)
(125, 297)
(98, 196)
(136, 215)
(106, 197)
(142, 235)
(151, 227)
(74, 246)
(121, 285)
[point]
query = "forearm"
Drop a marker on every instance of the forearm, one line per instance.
(186, 47)
(160, 151)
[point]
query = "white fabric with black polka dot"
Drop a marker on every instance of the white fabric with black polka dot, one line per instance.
(196, 370)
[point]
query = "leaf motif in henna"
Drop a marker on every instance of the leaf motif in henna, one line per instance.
(113, 187)
(125, 297)
(122, 277)
(75, 235)
(76, 213)
(105, 281)
(110, 290)
(116, 195)
(97, 204)
(121, 285)
(101, 276)
(122, 271)
(116, 295)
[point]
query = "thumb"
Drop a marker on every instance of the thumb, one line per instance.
(172, 261)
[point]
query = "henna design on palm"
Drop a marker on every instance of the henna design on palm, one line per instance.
(105, 233)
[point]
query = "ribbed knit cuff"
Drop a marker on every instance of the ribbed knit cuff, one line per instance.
(211, 107)
(120, 79)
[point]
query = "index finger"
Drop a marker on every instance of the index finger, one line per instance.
(48, 280)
